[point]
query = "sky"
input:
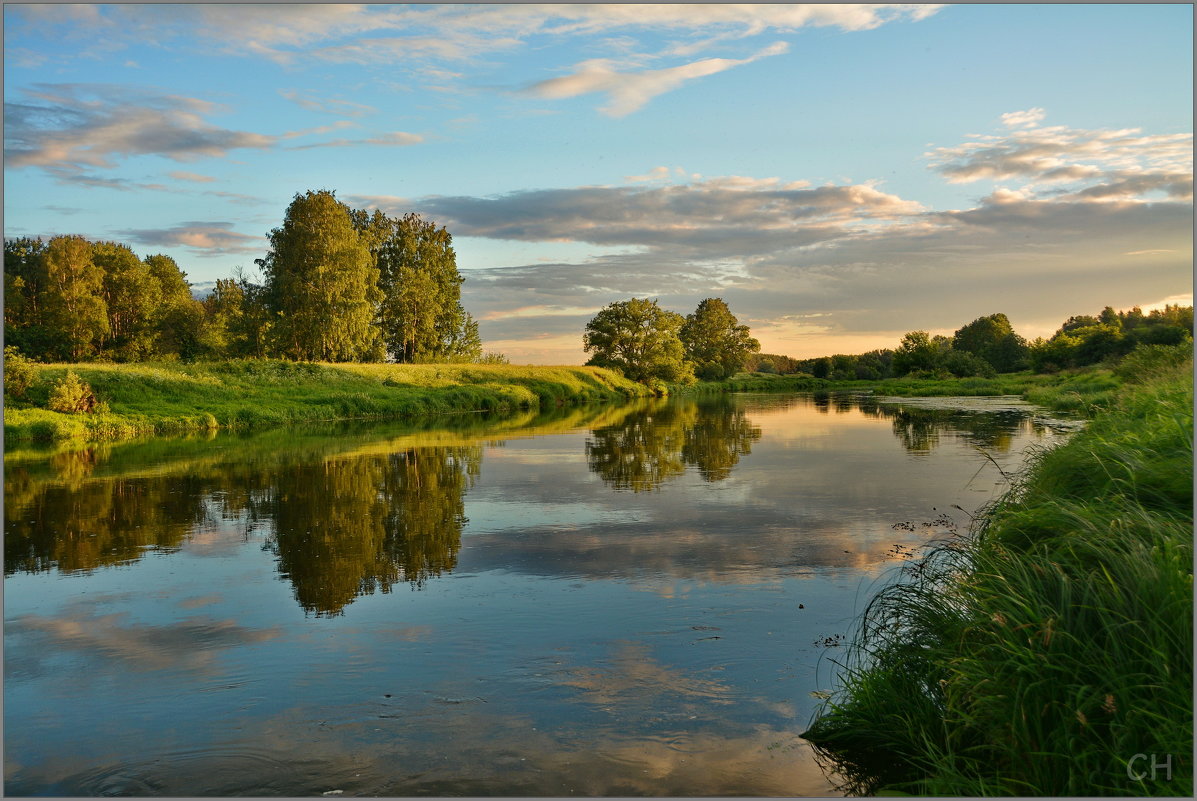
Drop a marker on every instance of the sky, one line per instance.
(838, 174)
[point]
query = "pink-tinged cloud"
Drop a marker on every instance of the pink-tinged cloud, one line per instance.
(630, 91)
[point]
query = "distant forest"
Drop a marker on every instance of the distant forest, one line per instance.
(989, 345)
(338, 285)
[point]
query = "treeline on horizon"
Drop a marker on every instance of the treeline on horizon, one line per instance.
(989, 345)
(337, 285)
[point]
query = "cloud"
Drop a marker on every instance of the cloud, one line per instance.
(655, 174)
(191, 176)
(629, 91)
(425, 37)
(207, 238)
(1116, 164)
(327, 105)
(1077, 207)
(76, 126)
(1023, 119)
(393, 139)
(712, 215)
(391, 205)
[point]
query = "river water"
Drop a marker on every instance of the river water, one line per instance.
(627, 600)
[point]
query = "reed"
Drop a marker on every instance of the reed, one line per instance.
(1042, 652)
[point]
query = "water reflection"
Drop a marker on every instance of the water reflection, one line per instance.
(655, 444)
(918, 423)
(219, 623)
(349, 513)
(349, 527)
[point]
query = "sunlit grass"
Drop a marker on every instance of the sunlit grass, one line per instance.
(1041, 654)
(159, 398)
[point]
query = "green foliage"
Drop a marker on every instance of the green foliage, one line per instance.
(640, 339)
(322, 283)
(19, 373)
(993, 339)
(1039, 655)
(1150, 361)
(915, 353)
(420, 312)
(132, 296)
(715, 342)
(72, 395)
(962, 363)
(73, 310)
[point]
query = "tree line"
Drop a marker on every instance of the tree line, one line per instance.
(989, 345)
(652, 345)
(337, 284)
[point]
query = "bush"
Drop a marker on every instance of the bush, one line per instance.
(72, 395)
(19, 373)
(1147, 361)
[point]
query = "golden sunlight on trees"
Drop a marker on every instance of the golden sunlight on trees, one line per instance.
(640, 339)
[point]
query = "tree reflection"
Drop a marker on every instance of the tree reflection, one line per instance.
(656, 444)
(82, 526)
(340, 526)
(349, 527)
(919, 429)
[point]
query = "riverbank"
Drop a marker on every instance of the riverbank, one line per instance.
(176, 398)
(1079, 391)
(1045, 651)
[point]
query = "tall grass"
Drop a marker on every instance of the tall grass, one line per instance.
(1042, 653)
(160, 398)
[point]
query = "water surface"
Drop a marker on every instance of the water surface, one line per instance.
(605, 601)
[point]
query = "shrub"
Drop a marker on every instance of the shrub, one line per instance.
(72, 395)
(1148, 361)
(19, 373)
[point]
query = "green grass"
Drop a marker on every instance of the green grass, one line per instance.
(1041, 653)
(173, 398)
(1081, 391)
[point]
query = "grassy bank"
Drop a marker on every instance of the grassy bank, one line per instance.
(1043, 652)
(173, 398)
(1083, 390)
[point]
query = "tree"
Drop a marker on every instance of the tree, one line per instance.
(420, 312)
(73, 311)
(993, 339)
(916, 352)
(715, 341)
(179, 320)
(24, 285)
(640, 339)
(323, 284)
(132, 295)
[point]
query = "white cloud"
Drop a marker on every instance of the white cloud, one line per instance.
(1090, 165)
(653, 175)
(629, 91)
(1023, 119)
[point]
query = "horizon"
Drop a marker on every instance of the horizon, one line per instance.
(840, 175)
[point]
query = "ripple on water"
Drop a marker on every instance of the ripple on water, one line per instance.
(211, 771)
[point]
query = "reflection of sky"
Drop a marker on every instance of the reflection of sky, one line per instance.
(589, 641)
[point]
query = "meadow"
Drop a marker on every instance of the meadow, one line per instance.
(174, 397)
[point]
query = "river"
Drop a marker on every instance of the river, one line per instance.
(625, 600)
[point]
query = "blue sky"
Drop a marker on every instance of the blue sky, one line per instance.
(839, 174)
